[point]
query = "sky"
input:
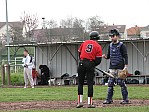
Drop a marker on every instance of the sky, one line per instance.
(118, 12)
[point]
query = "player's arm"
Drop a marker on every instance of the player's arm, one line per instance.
(79, 54)
(23, 61)
(98, 58)
(125, 55)
(108, 54)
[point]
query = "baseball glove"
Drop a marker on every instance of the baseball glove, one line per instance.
(123, 74)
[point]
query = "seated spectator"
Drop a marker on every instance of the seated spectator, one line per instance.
(35, 75)
(45, 74)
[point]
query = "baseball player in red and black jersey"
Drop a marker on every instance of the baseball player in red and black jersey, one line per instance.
(90, 54)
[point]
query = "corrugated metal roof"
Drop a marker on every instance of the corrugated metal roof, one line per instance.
(74, 42)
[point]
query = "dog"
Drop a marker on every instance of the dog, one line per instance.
(52, 82)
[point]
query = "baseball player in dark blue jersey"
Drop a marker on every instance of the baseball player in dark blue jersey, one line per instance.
(117, 53)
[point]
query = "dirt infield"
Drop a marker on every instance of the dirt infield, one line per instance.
(63, 104)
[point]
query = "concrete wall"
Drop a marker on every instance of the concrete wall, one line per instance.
(63, 62)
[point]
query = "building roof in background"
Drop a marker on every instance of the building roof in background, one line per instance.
(57, 34)
(16, 24)
(134, 30)
(106, 28)
(60, 31)
(145, 28)
(66, 31)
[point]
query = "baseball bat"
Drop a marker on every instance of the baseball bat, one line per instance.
(106, 73)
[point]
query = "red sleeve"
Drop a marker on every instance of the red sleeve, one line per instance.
(99, 51)
(80, 48)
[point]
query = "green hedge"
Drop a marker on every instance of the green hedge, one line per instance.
(17, 79)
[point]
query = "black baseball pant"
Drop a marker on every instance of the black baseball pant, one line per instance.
(86, 68)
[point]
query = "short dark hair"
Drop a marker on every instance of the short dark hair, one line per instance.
(26, 50)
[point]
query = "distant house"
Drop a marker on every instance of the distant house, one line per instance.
(14, 28)
(144, 32)
(104, 31)
(134, 32)
(66, 34)
(57, 34)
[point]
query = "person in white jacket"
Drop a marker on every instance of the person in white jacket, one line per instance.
(28, 65)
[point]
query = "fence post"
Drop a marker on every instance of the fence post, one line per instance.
(7, 68)
(8, 74)
(3, 75)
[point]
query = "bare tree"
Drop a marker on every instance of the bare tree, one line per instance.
(30, 22)
(94, 22)
(52, 24)
(41, 35)
(16, 34)
(78, 23)
(68, 23)
(63, 23)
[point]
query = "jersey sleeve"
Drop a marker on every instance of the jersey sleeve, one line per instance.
(80, 48)
(124, 53)
(108, 54)
(99, 51)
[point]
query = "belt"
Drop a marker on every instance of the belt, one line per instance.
(84, 59)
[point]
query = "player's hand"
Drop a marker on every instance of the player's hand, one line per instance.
(104, 56)
(26, 65)
(126, 67)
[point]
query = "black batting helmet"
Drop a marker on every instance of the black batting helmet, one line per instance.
(114, 32)
(94, 35)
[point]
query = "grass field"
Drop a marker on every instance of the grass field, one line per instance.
(66, 93)
(70, 93)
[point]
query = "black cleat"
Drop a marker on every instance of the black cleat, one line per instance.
(111, 101)
(91, 106)
(107, 102)
(80, 105)
(125, 102)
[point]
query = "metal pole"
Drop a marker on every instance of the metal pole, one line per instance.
(7, 33)
(35, 57)
(144, 63)
(43, 24)
(137, 49)
(71, 54)
(15, 65)
(56, 52)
